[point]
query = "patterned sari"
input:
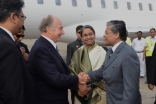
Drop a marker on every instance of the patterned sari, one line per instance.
(88, 60)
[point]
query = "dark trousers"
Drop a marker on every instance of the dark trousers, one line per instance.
(72, 96)
(59, 101)
(148, 61)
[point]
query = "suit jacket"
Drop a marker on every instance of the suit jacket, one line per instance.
(151, 77)
(15, 79)
(121, 73)
(71, 48)
(51, 75)
(25, 47)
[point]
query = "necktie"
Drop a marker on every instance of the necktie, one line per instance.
(111, 52)
(57, 49)
(17, 44)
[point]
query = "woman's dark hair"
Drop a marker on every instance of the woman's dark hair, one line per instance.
(87, 26)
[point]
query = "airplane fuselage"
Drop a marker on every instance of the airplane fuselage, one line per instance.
(139, 15)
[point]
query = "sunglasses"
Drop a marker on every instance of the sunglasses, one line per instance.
(79, 32)
(18, 36)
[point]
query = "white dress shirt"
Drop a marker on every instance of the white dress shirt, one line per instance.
(51, 41)
(8, 33)
(116, 45)
(139, 44)
(153, 40)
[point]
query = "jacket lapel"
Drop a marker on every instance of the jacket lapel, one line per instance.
(9, 38)
(54, 51)
(51, 47)
(114, 55)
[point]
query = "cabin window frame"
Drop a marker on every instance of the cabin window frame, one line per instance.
(115, 4)
(58, 2)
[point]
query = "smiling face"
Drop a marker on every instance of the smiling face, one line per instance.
(152, 33)
(88, 37)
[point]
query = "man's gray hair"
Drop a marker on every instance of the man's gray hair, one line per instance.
(47, 21)
(118, 27)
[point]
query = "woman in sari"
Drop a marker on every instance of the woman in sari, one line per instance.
(87, 58)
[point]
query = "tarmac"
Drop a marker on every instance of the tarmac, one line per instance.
(148, 96)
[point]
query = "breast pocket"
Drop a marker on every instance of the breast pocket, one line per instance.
(114, 66)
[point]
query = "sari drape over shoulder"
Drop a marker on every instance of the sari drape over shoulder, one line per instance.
(87, 60)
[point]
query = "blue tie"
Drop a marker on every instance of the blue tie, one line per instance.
(111, 52)
(57, 49)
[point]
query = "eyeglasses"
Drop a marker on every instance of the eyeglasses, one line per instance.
(79, 32)
(18, 36)
(24, 17)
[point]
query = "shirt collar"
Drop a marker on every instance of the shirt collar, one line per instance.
(51, 41)
(8, 32)
(153, 38)
(115, 46)
(139, 39)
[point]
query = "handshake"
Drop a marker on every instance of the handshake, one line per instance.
(84, 88)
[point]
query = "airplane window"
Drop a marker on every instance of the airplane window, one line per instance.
(115, 4)
(150, 7)
(89, 4)
(140, 6)
(103, 4)
(58, 2)
(74, 2)
(40, 1)
(128, 5)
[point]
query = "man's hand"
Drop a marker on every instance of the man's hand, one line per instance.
(22, 50)
(143, 58)
(25, 55)
(151, 86)
(81, 94)
(83, 89)
(83, 78)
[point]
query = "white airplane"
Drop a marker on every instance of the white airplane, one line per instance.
(139, 15)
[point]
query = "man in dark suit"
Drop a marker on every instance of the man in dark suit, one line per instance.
(72, 47)
(151, 77)
(50, 73)
(148, 51)
(23, 47)
(121, 70)
(15, 82)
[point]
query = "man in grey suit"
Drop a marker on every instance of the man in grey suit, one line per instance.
(121, 70)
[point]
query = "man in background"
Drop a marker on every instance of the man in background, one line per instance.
(150, 42)
(72, 47)
(128, 40)
(138, 45)
(15, 80)
(23, 47)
